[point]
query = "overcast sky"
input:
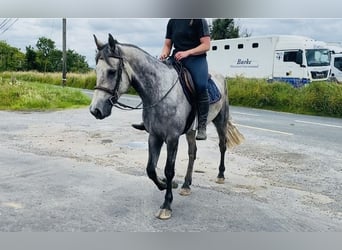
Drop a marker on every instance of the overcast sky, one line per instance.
(146, 33)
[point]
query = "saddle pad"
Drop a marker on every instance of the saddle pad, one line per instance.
(214, 93)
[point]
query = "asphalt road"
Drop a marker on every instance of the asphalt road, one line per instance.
(66, 171)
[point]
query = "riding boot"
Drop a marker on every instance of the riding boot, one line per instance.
(202, 109)
(140, 126)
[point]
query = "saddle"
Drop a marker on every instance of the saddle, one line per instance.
(186, 81)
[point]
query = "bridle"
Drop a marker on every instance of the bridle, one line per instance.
(114, 98)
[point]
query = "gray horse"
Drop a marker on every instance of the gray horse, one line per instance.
(165, 109)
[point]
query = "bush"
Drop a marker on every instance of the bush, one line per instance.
(323, 98)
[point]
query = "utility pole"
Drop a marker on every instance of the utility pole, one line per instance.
(64, 54)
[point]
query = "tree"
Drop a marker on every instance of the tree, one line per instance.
(50, 59)
(76, 62)
(44, 58)
(11, 59)
(45, 48)
(55, 61)
(30, 57)
(225, 29)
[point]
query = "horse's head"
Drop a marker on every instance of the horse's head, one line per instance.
(112, 79)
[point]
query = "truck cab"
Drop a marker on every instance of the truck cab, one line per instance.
(301, 66)
(336, 67)
(336, 63)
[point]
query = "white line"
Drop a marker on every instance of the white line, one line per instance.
(241, 113)
(265, 129)
(319, 124)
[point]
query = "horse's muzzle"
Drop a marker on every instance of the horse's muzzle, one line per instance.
(97, 113)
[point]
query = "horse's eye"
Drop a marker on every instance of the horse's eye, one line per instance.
(111, 73)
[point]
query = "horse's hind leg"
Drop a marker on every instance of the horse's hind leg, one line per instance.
(192, 150)
(221, 123)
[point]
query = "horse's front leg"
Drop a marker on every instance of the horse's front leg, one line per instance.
(165, 210)
(154, 146)
(192, 150)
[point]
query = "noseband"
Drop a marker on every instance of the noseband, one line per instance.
(113, 99)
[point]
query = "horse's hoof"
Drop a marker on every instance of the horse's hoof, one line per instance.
(220, 180)
(164, 214)
(185, 191)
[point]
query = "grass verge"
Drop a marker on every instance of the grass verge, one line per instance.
(83, 81)
(33, 96)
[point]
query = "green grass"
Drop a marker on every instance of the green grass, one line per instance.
(84, 81)
(316, 98)
(33, 96)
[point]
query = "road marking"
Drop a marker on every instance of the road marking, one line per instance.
(265, 129)
(14, 205)
(319, 124)
(241, 113)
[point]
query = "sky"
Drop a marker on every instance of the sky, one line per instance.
(147, 33)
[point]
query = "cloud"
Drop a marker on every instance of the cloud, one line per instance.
(316, 28)
(149, 33)
(146, 33)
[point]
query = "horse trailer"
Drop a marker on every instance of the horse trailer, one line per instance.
(294, 59)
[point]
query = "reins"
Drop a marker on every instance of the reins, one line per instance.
(123, 106)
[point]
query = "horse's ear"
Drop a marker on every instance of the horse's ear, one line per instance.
(99, 44)
(112, 42)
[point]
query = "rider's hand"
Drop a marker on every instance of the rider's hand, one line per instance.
(181, 55)
(163, 56)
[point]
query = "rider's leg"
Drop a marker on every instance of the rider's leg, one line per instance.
(198, 68)
(202, 109)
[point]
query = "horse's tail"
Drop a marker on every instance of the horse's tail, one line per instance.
(234, 137)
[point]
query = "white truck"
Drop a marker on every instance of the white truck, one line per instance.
(336, 61)
(294, 59)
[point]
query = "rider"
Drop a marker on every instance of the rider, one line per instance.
(191, 40)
